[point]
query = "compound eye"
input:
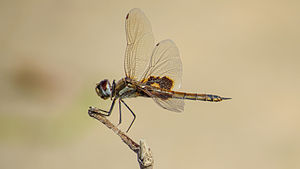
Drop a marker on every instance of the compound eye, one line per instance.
(103, 89)
(97, 89)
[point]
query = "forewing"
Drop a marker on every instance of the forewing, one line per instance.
(159, 66)
(140, 43)
(165, 64)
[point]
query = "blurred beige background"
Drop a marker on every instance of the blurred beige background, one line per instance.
(52, 53)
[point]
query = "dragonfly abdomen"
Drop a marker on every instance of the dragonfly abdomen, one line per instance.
(195, 96)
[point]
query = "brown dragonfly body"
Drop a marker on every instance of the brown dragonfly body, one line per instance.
(153, 71)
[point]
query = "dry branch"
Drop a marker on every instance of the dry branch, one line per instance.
(145, 158)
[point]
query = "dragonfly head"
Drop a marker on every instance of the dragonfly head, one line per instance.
(104, 89)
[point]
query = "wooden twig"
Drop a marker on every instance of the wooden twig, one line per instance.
(145, 158)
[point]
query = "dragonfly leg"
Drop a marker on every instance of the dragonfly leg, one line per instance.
(107, 113)
(131, 113)
(120, 119)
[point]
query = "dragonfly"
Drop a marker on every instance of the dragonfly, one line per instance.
(152, 71)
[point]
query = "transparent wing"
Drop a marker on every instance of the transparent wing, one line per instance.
(165, 63)
(176, 105)
(172, 104)
(164, 72)
(140, 43)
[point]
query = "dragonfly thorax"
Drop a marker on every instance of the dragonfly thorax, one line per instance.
(104, 89)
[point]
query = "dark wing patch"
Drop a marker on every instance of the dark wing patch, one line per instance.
(159, 82)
